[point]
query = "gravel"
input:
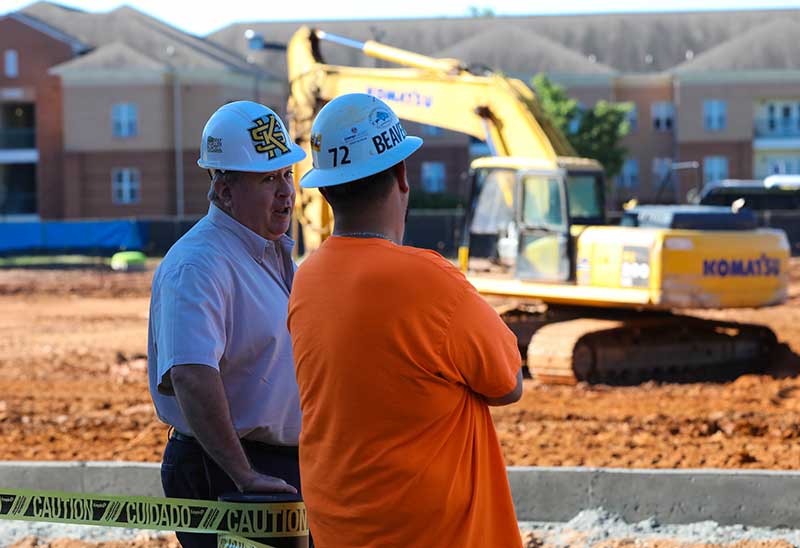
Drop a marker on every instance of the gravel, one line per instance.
(588, 528)
(598, 525)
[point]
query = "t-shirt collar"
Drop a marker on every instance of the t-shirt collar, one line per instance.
(255, 244)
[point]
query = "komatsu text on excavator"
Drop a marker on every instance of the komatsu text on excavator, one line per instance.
(588, 301)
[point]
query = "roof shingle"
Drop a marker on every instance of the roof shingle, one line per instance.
(144, 34)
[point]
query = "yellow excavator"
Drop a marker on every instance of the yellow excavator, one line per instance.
(588, 301)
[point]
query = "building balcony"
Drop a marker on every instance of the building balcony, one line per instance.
(778, 127)
(17, 138)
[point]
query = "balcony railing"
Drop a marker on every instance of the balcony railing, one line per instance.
(17, 138)
(18, 203)
(778, 127)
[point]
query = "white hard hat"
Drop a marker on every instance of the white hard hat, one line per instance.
(247, 136)
(355, 136)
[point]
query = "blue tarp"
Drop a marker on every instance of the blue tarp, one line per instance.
(83, 237)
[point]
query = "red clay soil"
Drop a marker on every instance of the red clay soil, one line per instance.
(73, 386)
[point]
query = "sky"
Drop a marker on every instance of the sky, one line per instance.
(204, 16)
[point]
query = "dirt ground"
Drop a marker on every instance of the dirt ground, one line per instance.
(73, 385)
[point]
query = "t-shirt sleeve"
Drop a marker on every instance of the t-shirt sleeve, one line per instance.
(191, 322)
(481, 348)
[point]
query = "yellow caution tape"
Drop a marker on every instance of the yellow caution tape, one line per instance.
(225, 540)
(261, 520)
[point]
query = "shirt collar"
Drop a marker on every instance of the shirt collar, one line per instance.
(255, 244)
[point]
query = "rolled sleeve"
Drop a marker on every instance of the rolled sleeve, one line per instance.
(190, 328)
(481, 348)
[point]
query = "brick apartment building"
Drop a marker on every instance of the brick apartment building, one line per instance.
(100, 113)
(716, 88)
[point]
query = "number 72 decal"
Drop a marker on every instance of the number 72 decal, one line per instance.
(345, 155)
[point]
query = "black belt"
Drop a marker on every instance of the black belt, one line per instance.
(261, 446)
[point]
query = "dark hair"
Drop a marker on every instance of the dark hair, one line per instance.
(355, 196)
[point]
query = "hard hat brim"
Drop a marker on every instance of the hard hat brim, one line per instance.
(295, 154)
(318, 178)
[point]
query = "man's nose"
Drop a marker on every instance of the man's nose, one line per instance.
(286, 187)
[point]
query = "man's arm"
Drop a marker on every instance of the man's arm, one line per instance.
(483, 351)
(201, 397)
(511, 397)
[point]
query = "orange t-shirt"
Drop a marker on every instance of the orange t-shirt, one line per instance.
(392, 348)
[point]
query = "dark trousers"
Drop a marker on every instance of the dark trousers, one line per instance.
(188, 472)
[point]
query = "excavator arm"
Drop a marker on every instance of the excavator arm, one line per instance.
(441, 92)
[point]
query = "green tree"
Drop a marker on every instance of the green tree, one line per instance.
(475, 11)
(594, 132)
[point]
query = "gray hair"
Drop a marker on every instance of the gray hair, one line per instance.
(229, 177)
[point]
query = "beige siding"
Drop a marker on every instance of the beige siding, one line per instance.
(201, 100)
(87, 118)
(743, 101)
(645, 143)
(87, 113)
(590, 95)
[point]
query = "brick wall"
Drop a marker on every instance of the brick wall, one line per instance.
(738, 153)
(37, 53)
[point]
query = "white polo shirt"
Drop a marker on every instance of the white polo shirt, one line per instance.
(220, 299)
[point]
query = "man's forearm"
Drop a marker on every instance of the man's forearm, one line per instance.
(202, 399)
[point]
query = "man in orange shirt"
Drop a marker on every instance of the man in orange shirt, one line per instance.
(397, 360)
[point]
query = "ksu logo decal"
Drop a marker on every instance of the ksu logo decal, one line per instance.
(316, 141)
(213, 144)
(268, 136)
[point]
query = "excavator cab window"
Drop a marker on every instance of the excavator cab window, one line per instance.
(586, 198)
(494, 202)
(544, 240)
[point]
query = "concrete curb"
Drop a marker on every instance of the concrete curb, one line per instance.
(758, 498)
(762, 498)
(107, 477)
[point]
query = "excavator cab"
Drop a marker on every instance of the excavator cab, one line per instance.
(532, 207)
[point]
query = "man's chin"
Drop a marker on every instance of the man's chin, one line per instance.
(277, 230)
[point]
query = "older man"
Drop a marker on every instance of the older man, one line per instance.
(219, 354)
(397, 358)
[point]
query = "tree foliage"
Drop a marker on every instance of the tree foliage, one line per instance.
(594, 132)
(475, 11)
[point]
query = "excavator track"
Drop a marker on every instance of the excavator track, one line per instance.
(564, 348)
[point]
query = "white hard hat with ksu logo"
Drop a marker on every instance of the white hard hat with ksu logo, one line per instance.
(247, 136)
(355, 136)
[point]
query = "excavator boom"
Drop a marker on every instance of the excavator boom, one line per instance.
(611, 293)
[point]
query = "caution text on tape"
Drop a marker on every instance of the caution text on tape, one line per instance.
(263, 520)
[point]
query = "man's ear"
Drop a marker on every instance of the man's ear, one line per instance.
(223, 191)
(400, 175)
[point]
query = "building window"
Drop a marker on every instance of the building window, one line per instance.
(125, 185)
(715, 115)
(633, 117)
(575, 123)
(662, 168)
(715, 168)
(773, 164)
(433, 179)
(663, 114)
(779, 119)
(432, 131)
(630, 174)
(124, 121)
(11, 63)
